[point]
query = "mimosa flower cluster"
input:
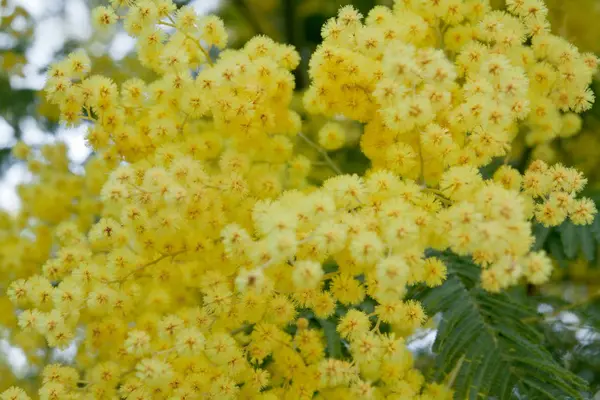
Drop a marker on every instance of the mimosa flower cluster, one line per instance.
(198, 258)
(449, 82)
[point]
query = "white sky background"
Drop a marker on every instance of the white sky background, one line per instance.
(52, 29)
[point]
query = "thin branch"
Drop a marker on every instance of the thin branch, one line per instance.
(507, 157)
(193, 39)
(559, 310)
(142, 267)
(240, 329)
(247, 12)
(454, 372)
(440, 195)
(323, 153)
(421, 161)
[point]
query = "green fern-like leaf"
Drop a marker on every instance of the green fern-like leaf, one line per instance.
(567, 241)
(483, 339)
(570, 238)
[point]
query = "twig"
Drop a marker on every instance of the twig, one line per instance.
(193, 39)
(246, 11)
(240, 329)
(439, 194)
(568, 307)
(422, 162)
(454, 372)
(418, 336)
(507, 157)
(323, 153)
(159, 259)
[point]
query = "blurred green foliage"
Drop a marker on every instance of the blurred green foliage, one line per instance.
(16, 26)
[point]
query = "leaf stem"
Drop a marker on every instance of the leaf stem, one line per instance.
(439, 194)
(559, 310)
(323, 153)
(193, 39)
(454, 373)
(142, 267)
(250, 16)
(421, 161)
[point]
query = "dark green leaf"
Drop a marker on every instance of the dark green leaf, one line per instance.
(334, 341)
(312, 27)
(540, 232)
(569, 239)
(556, 250)
(595, 228)
(501, 354)
(588, 242)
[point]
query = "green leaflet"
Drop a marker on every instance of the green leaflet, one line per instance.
(569, 239)
(595, 228)
(334, 341)
(587, 241)
(502, 356)
(541, 233)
